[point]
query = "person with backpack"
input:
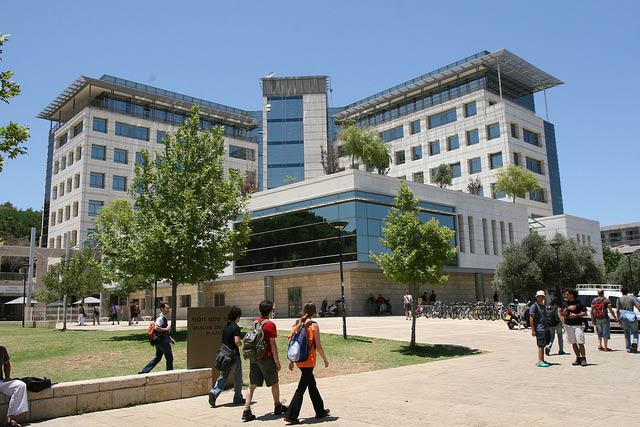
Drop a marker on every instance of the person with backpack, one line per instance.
(600, 319)
(260, 347)
(305, 326)
(164, 341)
(231, 339)
(555, 326)
(539, 321)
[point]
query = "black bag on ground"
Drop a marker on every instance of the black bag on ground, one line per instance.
(225, 358)
(36, 384)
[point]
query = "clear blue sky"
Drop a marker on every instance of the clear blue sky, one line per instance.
(217, 50)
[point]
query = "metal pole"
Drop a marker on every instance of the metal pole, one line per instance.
(31, 264)
(499, 80)
(24, 292)
(344, 315)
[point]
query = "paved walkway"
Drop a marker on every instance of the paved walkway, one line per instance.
(501, 387)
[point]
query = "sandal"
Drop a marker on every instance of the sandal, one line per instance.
(601, 348)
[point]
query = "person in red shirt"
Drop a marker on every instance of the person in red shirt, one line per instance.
(265, 369)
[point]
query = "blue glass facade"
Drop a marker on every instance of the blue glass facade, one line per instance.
(300, 234)
(554, 168)
(285, 140)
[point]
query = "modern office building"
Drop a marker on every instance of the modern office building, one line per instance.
(621, 234)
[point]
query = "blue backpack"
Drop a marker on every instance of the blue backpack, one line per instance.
(299, 348)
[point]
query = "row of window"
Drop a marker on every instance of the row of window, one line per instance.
(67, 160)
(61, 241)
(96, 180)
(75, 131)
(64, 214)
(490, 229)
(65, 187)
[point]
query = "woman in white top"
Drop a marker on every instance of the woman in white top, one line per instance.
(408, 302)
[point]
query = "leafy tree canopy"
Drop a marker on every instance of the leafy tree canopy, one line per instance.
(366, 146)
(444, 175)
(516, 182)
(622, 276)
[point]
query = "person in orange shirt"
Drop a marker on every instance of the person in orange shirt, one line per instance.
(307, 380)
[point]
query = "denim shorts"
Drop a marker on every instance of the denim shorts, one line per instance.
(604, 327)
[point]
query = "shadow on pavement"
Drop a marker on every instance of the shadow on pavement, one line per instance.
(435, 351)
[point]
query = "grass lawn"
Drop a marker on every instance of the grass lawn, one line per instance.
(78, 355)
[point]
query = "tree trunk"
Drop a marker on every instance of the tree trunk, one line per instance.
(174, 309)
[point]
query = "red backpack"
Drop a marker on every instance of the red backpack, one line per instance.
(598, 308)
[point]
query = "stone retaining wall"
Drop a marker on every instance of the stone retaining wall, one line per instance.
(77, 397)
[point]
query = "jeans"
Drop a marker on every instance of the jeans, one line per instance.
(163, 348)
(236, 368)
(556, 330)
(629, 329)
(307, 380)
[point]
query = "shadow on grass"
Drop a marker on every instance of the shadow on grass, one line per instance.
(437, 350)
(180, 335)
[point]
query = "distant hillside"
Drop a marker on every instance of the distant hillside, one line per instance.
(15, 224)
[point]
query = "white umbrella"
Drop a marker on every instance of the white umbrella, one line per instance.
(20, 300)
(88, 300)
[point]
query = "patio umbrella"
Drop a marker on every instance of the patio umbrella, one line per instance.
(88, 300)
(20, 300)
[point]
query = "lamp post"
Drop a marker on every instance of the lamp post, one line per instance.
(24, 290)
(556, 246)
(340, 225)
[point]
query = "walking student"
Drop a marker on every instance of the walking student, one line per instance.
(164, 342)
(231, 338)
(408, 303)
(573, 311)
(265, 369)
(307, 380)
(600, 309)
(555, 326)
(540, 327)
(628, 319)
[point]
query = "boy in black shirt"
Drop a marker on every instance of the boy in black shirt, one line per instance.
(230, 337)
(573, 311)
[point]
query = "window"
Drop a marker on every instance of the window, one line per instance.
(418, 177)
(120, 156)
(61, 189)
(530, 137)
(491, 103)
(56, 167)
(76, 181)
(461, 232)
(434, 148)
(53, 219)
(493, 131)
(497, 194)
(456, 170)
(443, 118)
(485, 235)
(537, 195)
(100, 125)
(242, 153)
(514, 131)
(470, 109)
(131, 131)
(77, 129)
(433, 172)
(517, 159)
(473, 137)
(138, 158)
(400, 157)
(63, 140)
(70, 157)
(54, 192)
(78, 153)
(415, 127)
(503, 237)
(218, 300)
(67, 212)
(475, 165)
(495, 160)
(185, 300)
(511, 233)
(75, 209)
(534, 165)
(94, 207)
(63, 163)
(494, 236)
(160, 135)
(96, 180)
(69, 183)
(453, 143)
(472, 235)
(392, 134)
(416, 152)
(119, 183)
(98, 152)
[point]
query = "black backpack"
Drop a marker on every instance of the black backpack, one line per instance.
(36, 384)
(253, 345)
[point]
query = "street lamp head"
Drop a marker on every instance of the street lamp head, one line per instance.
(555, 245)
(339, 225)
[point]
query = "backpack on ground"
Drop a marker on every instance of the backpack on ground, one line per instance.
(253, 345)
(152, 334)
(598, 308)
(299, 346)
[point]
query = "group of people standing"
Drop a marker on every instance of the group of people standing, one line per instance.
(549, 322)
(265, 369)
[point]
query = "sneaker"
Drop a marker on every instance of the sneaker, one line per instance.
(547, 351)
(542, 365)
(280, 409)
(583, 362)
(634, 347)
(562, 353)
(578, 361)
(324, 413)
(212, 400)
(247, 415)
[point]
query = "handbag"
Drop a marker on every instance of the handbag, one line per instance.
(225, 358)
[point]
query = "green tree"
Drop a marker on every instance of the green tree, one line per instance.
(13, 135)
(78, 275)
(611, 260)
(533, 264)
(116, 237)
(516, 182)
(185, 205)
(417, 250)
(622, 276)
(443, 175)
(359, 143)
(377, 153)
